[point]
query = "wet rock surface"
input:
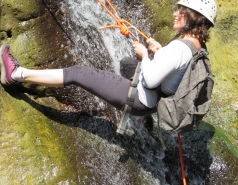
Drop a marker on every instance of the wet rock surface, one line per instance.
(48, 136)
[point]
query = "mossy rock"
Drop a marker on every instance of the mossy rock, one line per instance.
(24, 10)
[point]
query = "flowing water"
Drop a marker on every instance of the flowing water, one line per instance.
(87, 17)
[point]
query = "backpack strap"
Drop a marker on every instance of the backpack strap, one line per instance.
(190, 45)
(196, 54)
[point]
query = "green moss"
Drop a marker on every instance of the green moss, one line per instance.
(34, 148)
(226, 140)
(32, 143)
(161, 19)
(222, 48)
(28, 48)
(24, 9)
(7, 23)
(221, 145)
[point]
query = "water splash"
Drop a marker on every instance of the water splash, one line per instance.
(89, 16)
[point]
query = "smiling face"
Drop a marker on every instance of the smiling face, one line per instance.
(179, 20)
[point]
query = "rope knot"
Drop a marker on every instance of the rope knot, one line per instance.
(124, 31)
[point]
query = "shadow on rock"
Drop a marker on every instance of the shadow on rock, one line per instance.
(141, 146)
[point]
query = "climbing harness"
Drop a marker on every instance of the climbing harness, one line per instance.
(130, 101)
(126, 29)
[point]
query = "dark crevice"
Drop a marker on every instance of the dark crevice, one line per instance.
(57, 22)
(9, 34)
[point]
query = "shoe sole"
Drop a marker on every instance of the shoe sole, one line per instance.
(3, 68)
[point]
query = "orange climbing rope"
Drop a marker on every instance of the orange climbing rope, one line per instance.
(181, 160)
(124, 26)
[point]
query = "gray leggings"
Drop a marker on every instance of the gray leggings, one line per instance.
(105, 85)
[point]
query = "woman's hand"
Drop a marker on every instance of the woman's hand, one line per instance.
(153, 45)
(140, 50)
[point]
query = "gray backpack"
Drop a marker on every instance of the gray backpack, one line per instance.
(183, 111)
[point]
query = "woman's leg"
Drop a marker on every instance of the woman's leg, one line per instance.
(11, 72)
(48, 77)
(109, 87)
(127, 67)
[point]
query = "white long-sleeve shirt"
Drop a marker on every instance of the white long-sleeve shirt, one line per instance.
(166, 69)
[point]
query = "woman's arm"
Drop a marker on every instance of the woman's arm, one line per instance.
(166, 60)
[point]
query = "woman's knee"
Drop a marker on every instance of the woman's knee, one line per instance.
(127, 67)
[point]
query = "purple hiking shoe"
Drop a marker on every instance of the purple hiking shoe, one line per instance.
(8, 65)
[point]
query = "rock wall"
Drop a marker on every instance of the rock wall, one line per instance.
(48, 137)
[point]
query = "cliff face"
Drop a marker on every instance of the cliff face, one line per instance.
(39, 142)
(48, 136)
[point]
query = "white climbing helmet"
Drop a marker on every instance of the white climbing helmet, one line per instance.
(207, 8)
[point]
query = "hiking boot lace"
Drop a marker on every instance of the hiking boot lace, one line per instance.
(14, 60)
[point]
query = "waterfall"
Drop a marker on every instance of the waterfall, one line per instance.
(83, 21)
